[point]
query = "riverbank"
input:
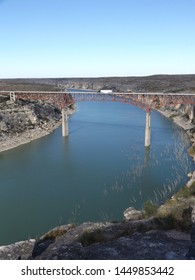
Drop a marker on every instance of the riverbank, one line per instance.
(23, 122)
(183, 121)
(28, 136)
(189, 127)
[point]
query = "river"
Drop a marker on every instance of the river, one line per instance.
(101, 169)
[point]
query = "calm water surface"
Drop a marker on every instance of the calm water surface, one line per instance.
(94, 175)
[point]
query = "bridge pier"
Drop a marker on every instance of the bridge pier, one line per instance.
(64, 122)
(12, 96)
(147, 129)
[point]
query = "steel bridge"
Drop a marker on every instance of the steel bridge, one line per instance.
(145, 101)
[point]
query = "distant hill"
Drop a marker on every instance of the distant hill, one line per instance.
(155, 83)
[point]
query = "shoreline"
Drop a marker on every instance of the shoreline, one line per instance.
(31, 134)
(186, 125)
(28, 136)
(178, 119)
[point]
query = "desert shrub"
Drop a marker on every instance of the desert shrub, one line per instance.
(150, 208)
(168, 222)
(183, 192)
(90, 237)
(192, 189)
(191, 151)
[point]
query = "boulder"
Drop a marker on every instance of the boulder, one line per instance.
(131, 214)
(19, 250)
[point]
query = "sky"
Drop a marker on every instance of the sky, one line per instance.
(96, 38)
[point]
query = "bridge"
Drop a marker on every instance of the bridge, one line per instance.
(146, 101)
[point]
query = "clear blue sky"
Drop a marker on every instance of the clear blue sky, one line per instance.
(96, 38)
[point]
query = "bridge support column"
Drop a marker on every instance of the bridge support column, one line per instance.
(64, 123)
(147, 129)
(12, 96)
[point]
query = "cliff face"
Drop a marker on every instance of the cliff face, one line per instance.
(23, 121)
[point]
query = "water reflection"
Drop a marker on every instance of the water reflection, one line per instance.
(154, 173)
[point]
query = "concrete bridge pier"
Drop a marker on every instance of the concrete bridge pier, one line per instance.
(64, 122)
(12, 96)
(147, 129)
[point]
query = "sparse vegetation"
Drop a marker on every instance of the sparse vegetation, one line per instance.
(92, 236)
(192, 189)
(150, 208)
(57, 232)
(183, 192)
(191, 151)
(176, 212)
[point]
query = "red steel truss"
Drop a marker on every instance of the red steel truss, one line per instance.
(58, 99)
(146, 101)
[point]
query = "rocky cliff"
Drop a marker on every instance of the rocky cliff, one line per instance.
(24, 121)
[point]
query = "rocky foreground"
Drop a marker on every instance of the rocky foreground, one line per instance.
(133, 240)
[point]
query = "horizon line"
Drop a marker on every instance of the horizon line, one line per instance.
(94, 77)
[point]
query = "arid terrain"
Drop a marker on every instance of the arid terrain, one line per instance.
(155, 83)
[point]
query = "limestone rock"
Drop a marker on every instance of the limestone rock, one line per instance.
(3, 126)
(18, 250)
(193, 175)
(23, 121)
(132, 214)
(127, 240)
(190, 182)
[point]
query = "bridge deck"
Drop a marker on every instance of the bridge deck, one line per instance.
(97, 92)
